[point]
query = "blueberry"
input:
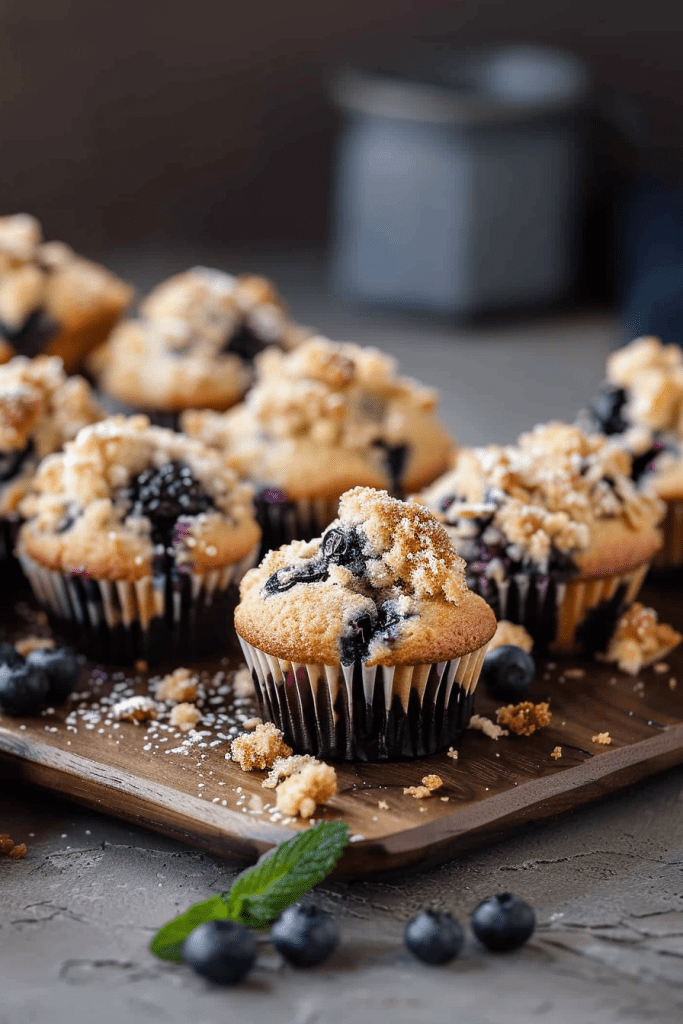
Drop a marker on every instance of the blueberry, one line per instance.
(508, 672)
(62, 667)
(434, 936)
(23, 689)
(503, 922)
(305, 935)
(222, 951)
(9, 655)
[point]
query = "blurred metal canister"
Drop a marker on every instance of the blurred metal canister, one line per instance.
(461, 191)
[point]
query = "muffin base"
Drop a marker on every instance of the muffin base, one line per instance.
(156, 619)
(670, 555)
(564, 616)
(282, 520)
(366, 713)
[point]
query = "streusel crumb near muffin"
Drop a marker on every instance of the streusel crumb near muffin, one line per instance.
(301, 792)
(524, 718)
(640, 639)
(135, 709)
(259, 749)
(185, 716)
(178, 686)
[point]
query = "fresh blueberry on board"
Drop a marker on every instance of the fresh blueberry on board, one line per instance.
(9, 655)
(503, 922)
(222, 951)
(434, 936)
(23, 689)
(508, 672)
(305, 935)
(62, 667)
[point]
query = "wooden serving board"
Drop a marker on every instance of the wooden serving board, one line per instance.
(493, 788)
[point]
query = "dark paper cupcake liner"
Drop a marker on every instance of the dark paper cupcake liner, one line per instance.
(366, 713)
(670, 555)
(282, 520)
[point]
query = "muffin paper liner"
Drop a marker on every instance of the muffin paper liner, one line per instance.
(366, 713)
(670, 555)
(156, 618)
(11, 570)
(282, 520)
(565, 617)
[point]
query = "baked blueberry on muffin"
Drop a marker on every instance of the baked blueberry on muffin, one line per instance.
(194, 342)
(134, 536)
(366, 643)
(51, 300)
(642, 403)
(556, 535)
(322, 419)
(40, 409)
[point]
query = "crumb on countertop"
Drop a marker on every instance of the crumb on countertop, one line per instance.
(383, 805)
(178, 686)
(429, 784)
(283, 767)
(8, 848)
(135, 709)
(486, 726)
(33, 643)
(661, 667)
(639, 640)
(603, 738)
(574, 673)
(432, 782)
(524, 718)
(185, 716)
(452, 753)
(260, 748)
(673, 683)
(556, 753)
(242, 683)
(510, 633)
(299, 794)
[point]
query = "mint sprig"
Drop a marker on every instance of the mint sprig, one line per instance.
(260, 894)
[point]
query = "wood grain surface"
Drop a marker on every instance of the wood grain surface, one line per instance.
(494, 787)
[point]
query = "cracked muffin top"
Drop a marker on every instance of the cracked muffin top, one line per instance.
(194, 342)
(40, 409)
(329, 416)
(383, 584)
(558, 501)
(125, 496)
(46, 290)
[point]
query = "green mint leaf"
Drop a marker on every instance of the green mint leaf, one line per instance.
(168, 941)
(284, 874)
(260, 894)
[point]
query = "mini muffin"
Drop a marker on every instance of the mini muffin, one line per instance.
(51, 300)
(365, 643)
(322, 419)
(642, 403)
(40, 409)
(134, 536)
(193, 344)
(556, 535)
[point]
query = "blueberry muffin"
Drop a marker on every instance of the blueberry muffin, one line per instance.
(193, 344)
(366, 643)
(641, 406)
(322, 419)
(134, 536)
(40, 409)
(556, 535)
(51, 300)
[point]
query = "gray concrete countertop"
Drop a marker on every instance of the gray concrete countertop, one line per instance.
(77, 914)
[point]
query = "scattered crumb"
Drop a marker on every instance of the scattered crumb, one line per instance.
(251, 724)
(185, 716)
(452, 753)
(260, 748)
(419, 792)
(423, 810)
(432, 782)
(141, 665)
(242, 683)
(640, 639)
(33, 643)
(603, 738)
(524, 718)
(509, 633)
(8, 848)
(574, 673)
(486, 726)
(18, 852)
(661, 667)
(283, 767)
(178, 686)
(6, 843)
(383, 805)
(673, 683)
(135, 709)
(444, 799)
(299, 794)
(556, 753)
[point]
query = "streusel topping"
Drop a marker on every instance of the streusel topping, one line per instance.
(652, 375)
(540, 497)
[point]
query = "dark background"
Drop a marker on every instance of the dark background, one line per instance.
(125, 121)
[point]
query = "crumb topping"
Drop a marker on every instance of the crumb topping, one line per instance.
(652, 375)
(510, 633)
(485, 725)
(283, 767)
(260, 748)
(639, 640)
(185, 716)
(300, 793)
(178, 686)
(534, 505)
(524, 718)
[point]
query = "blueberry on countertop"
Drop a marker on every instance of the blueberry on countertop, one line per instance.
(508, 672)
(9, 655)
(62, 667)
(434, 936)
(305, 935)
(23, 689)
(222, 951)
(503, 922)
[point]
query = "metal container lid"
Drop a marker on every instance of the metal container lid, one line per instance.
(492, 84)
